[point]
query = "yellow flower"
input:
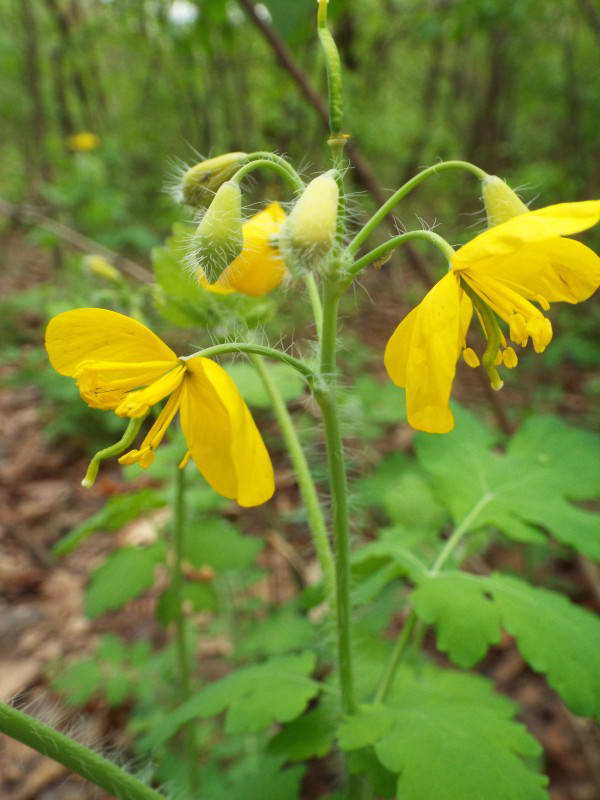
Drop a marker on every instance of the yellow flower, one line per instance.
(109, 355)
(259, 268)
(83, 142)
(501, 272)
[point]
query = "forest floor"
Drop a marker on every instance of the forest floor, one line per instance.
(41, 603)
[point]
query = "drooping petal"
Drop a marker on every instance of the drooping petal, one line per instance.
(222, 436)
(562, 219)
(259, 268)
(96, 334)
(422, 355)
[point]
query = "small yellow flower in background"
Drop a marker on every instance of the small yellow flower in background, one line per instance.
(98, 265)
(259, 268)
(83, 142)
(504, 270)
(111, 356)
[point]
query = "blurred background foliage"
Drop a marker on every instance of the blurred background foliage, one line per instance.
(513, 87)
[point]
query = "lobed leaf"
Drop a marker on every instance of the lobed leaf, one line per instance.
(524, 489)
(254, 697)
(451, 744)
(555, 636)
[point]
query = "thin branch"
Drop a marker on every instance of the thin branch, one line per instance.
(78, 240)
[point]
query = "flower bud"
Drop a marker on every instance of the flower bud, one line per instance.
(218, 238)
(501, 203)
(309, 232)
(200, 182)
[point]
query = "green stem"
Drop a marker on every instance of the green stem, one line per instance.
(387, 681)
(261, 159)
(399, 650)
(315, 301)
(73, 755)
(259, 349)
(455, 538)
(400, 193)
(181, 645)
(391, 244)
(308, 490)
(326, 397)
(116, 449)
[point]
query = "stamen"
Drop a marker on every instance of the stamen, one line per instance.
(470, 357)
(498, 359)
(185, 460)
(509, 358)
(542, 302)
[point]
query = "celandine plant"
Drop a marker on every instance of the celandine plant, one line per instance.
(388, 720)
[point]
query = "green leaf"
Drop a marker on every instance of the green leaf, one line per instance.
(255, 697)
(257, 778)
(79, 682)
(287, 380)
(116, 512)
(522, 490)
(125, 574)
(180, 298)
(281, 633)
(403, 492)
(448, 737)
(216, 543)
(309, 736)
(201, 596)
(555, 636)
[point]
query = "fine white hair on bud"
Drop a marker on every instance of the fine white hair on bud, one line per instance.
(309, 232)
(501, 202)
(218, 240)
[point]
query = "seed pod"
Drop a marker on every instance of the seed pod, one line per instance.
(218, 238)
(501, 203)
(309, 232)
(200, 182)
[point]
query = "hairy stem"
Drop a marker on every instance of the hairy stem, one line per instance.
(274, 162)
(259, 349)
(326, 397)
(315, 301)
(384, 249)
(73, 755)
(401, 193)
(316, 520)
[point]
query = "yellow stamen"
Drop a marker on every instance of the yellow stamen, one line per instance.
(185, 460)
(137, 403)
(470, 357)
(509, 358)
(542, 302)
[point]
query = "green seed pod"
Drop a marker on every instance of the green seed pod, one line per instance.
(501, 203)
(200, 182)
(309, 232)
(218, 238)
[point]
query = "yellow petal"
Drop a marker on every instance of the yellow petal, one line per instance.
(259, 268)
(222, 437)
(104, 384)
(533, 226)
(96, 334)
(423, 356)
(136, 404)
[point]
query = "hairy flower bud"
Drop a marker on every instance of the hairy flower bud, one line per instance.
(218, 238)
(200, 182)
(309, 232)
(501, 203)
